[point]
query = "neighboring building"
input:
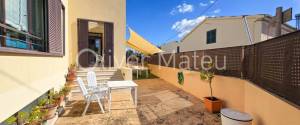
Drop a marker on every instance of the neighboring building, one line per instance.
(230, 31)
(39, 39)
(171, 47)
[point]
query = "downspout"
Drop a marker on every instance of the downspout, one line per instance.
(246, 26)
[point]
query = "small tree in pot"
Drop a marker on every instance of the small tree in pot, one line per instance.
(212, 104)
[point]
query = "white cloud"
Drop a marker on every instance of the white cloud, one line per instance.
(217, 11)
(173, 12)
(203, 4)
(185, 26)
(182, 8)
(212, 1)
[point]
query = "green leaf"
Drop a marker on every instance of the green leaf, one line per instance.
(180, 78)
(11, 120)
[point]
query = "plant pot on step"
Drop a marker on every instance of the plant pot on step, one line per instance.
(49, 111)
(60, 100)
(213, 104)
(71, 77)
(34, 123)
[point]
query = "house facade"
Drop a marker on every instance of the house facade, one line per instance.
(103, 24)
(40, 39)
(221, 32)
(171, 47)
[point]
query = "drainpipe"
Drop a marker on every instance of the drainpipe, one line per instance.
(246, 26)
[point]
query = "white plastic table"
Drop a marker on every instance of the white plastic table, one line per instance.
(139, 70)
(122, 85)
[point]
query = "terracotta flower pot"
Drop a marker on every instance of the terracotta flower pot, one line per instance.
(60, 100)
(34, 123)
(71, 77)
(71, 84)
(212, 104)
(50, 111)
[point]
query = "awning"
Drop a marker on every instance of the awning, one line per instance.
(138, 43)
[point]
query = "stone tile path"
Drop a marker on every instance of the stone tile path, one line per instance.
(122, 111)
(161, 103)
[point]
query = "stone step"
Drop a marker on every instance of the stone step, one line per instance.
(97, 69)
(98, 74)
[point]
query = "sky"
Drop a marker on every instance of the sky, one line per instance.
(162, 21)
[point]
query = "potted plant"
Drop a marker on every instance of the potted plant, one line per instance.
(58, 97)
(11, 120)
(71, 76)
(212, 104)
(180, 78)
(66, 90)
(21, 118)
(35, 116)
(48, 106)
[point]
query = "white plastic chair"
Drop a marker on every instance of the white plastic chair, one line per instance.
(92, 82)
(90, 96)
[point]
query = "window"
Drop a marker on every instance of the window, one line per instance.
(211, 36)
(23, 24)
(178, 49)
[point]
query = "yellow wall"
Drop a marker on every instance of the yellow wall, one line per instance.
(100, 10)
(24, 78)
(235, 93)
(196, 40)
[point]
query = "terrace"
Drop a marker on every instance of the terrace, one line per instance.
(245, 86)
(159, 102)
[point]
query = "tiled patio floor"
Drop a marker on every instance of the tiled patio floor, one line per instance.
(159, 103)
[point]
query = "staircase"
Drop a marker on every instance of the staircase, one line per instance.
(103, 75)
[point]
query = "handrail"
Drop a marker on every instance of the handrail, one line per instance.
(15, 30)
(19, 40)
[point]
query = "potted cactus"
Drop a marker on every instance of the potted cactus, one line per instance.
(212, 104)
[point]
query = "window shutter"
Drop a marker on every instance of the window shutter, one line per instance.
(2, 14)
(55, 36)
(83, 30)
(108, 44)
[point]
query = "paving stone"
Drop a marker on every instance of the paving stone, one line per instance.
(146, 111)
(165, 95)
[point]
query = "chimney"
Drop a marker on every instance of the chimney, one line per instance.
(278, 21)
(298, 21)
